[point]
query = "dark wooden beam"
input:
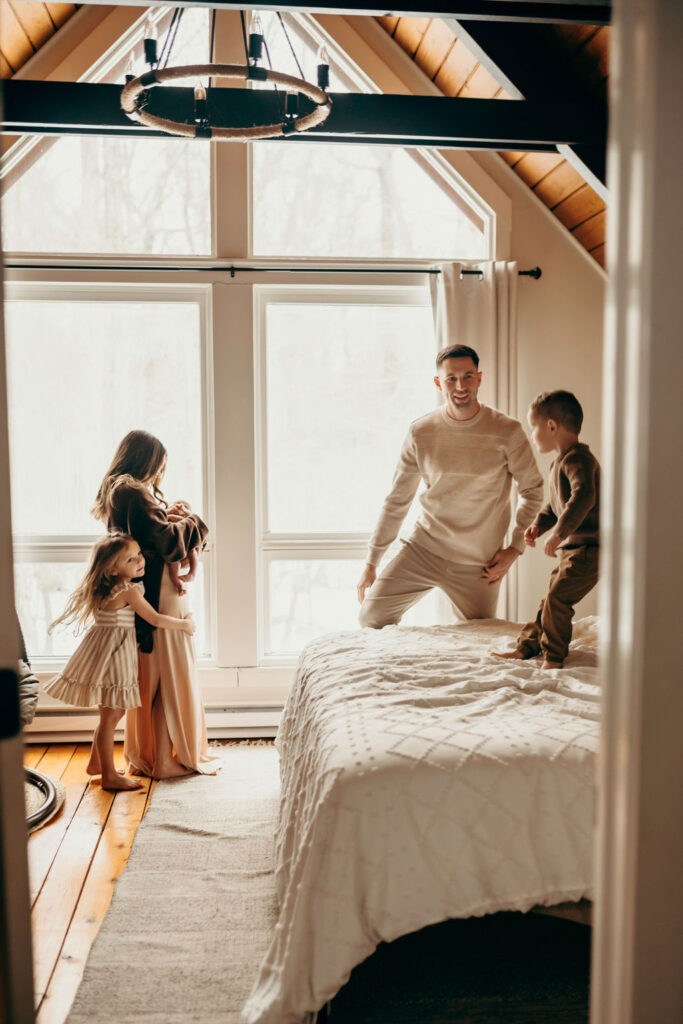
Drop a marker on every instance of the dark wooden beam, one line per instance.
(595, 12)
(517, 59)
(67, 108)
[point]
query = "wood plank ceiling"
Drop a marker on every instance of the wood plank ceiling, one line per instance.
(457, 72)
(25, 26)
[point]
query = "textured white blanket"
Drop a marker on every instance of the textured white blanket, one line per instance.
(423, 780)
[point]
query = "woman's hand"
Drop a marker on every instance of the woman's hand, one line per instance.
(189, 626)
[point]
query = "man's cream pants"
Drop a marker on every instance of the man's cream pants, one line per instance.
(413, 572)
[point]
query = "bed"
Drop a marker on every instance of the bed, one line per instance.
(423, 780)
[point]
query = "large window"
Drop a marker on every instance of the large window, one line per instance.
(282, 407)
(85, 366)
(342, 372)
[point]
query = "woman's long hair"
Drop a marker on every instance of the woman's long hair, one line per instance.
(140, 460)
(98, 582)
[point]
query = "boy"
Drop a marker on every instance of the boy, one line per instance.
(572, 516)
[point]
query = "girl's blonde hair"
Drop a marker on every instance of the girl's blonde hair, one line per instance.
(140, 460)
(98, 582)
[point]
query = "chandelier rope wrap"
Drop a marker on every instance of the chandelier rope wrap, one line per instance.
(134, 89)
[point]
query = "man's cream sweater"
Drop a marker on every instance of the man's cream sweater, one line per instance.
(468, 467)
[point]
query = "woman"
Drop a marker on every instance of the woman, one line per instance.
(166, 736)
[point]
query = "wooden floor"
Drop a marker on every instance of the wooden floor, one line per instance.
(74, 862)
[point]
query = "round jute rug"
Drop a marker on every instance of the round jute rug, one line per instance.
(43, 796)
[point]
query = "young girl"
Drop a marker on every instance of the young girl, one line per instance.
(104, 668)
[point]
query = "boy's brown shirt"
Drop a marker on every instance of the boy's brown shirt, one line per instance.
(574, 506)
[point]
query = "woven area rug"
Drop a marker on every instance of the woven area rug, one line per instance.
(35, 800)
(193, 912)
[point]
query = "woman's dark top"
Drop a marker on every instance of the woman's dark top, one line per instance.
(135, 511)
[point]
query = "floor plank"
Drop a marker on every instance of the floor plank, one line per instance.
(107, 864)
(56, 903)
(74, 862)
(44, 844)
(33, 754)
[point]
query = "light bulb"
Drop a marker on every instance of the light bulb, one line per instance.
(256, 38)
(150, 43)
(199, 93)
(323, 69)
(130, 67)
(256, 25)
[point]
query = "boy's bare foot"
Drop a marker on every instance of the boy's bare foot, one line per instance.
(119, 782)
(547, 665)
(515, 654)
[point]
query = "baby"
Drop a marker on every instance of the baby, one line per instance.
(180, 579)
(179, 510)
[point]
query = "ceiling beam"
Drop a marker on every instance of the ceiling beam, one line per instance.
(66, 108)
(582, 12)
(525, 68)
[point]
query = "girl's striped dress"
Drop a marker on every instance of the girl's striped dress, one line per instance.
(104, 668)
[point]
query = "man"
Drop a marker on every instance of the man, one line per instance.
(467, 454)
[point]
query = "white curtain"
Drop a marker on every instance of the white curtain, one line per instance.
(480, 310)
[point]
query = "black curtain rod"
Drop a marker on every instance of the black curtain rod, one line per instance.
(535, 272)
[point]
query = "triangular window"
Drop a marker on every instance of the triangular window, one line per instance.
(350, 200)
(113, 195)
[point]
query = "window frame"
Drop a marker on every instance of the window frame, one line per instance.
(281, 546)
(50, 547)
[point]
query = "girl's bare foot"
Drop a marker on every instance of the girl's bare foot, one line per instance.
(551, 664)
(116, 782)
(93, 766)
(515, 654)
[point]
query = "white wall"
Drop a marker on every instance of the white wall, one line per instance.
(560, 338)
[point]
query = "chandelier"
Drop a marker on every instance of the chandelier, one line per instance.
(135, 93)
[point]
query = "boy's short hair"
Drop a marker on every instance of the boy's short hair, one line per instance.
(561, 406)
(457, 352)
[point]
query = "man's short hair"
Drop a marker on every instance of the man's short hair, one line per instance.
(561, 406)
(457, 352)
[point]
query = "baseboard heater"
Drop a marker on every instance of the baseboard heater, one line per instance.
(75, 725)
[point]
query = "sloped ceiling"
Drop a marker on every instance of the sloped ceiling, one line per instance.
(583, 49)
(25, 27)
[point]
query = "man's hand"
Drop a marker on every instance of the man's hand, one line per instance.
(531, 535)
(367, 579)
(552, 544)
(497, 567)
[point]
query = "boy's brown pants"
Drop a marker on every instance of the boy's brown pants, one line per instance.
(572, 578)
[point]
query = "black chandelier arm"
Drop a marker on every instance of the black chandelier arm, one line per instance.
(132, 93)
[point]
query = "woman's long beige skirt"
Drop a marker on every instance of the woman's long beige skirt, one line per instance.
(169, 675)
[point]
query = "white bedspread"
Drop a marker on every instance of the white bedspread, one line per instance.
(423, 780)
